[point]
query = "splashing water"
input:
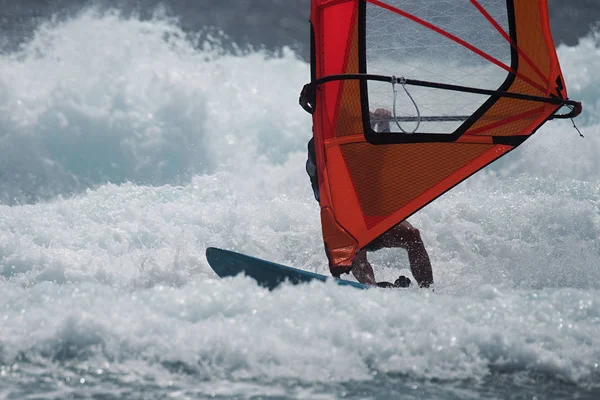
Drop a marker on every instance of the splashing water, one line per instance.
(127, 148)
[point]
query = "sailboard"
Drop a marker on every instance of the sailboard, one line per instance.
(465, 82)
(268, 274)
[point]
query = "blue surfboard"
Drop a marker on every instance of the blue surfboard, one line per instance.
(268, 274)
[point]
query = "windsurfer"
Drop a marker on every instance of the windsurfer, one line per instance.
(402, 235)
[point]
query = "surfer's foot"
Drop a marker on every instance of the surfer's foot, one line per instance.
(401, 282)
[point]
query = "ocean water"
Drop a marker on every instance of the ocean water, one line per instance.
(127, 148)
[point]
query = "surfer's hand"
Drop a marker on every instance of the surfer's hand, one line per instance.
(401, 282)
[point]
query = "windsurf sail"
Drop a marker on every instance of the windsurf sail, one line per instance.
(464, 81)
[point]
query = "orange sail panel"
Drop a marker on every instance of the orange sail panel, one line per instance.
(461, 84)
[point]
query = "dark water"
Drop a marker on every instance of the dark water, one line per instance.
(268, 23)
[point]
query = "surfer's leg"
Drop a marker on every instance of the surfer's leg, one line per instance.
(362, 270)
(406, 236)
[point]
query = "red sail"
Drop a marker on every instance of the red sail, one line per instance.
(478, 77)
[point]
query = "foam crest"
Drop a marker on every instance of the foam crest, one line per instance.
(100, 98)
(232, 331)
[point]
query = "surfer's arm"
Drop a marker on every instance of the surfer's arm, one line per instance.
(311, 168)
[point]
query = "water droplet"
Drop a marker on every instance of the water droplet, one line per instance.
(253, 311)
